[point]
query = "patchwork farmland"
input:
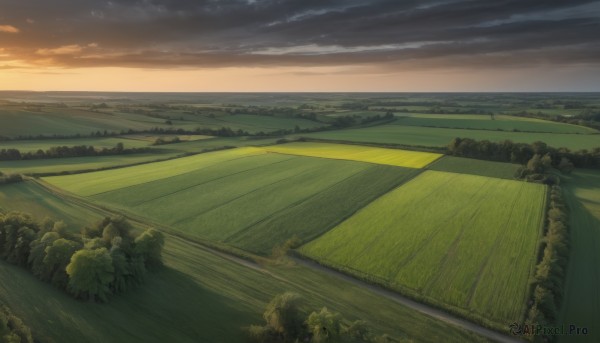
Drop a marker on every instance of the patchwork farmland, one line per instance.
(239, 196)
(440, 227)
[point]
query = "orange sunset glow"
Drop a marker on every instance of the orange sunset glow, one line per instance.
(298, 46)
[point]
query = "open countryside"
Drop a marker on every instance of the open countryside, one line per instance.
(448, 236)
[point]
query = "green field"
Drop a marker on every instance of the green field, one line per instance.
(475, 167)
(245, 197)
(468, 243)
(32, 198)
(581, 305)
(104, 181)
(393, 157)
(161, 152)
(439, 137)
(484, 122)
(197, 296)
(20, 120)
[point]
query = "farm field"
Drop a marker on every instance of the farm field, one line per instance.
(467, 253)
(160, 152)
(32, 198)
(582, 300)
(197, 296)
(471, 166)
(254, 201)
(394, 157)
(483, 122)
(104, 181)
(439, 137)
(18, 120)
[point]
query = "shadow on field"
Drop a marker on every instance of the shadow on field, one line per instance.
(169, 307)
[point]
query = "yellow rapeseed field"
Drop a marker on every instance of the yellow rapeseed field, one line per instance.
(393, 157)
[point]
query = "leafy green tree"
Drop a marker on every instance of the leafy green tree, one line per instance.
(38, 253)
(90, 274)
(123, 277)
(325, 326)
(109, 233)
(58, 256)
(284, 316)
(565, 166)
(546, 161)
(358, 330)
(149, 245)
(534, 165)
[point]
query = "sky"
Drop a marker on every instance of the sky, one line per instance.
(300, 45)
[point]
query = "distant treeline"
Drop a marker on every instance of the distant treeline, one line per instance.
(549, 281)
(589, 118)
(508, 151)
(108, 258)
(66, 151)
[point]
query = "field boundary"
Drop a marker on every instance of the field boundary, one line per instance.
(493, 333)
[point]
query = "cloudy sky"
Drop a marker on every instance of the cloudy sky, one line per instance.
(300, 45)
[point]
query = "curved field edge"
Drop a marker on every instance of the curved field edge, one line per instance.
(448, 267)
(200, 295)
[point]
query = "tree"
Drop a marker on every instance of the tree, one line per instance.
(284, 316)
(324, 326)
(535, 164)
(37, 254)
(109, 233)
(546, 161)
(90, 274)
(149, 245)
(565, 166)
(58, 255)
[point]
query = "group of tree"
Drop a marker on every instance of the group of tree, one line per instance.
(107, 258)
(67, 151)
(548, 287)
(12, 328)
(10, 178)
(348, 121)
(538, 169)
(286, 321)
(166, 140)
(508, 151)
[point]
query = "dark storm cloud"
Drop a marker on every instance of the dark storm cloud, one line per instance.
(221, 33)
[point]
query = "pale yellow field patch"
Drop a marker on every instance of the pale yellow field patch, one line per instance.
(361, 153)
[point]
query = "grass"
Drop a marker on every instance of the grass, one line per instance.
(32, 198)
(199, 296)
(483, 122)
(581, 305)
(104, 181)
(254, 202)
(439, 137)
(475, 167)
(73, 164)
(466, 242)
(394, 157)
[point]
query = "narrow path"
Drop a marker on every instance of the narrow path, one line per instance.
(426, 309)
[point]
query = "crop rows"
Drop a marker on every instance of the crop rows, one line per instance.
(468, 242)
